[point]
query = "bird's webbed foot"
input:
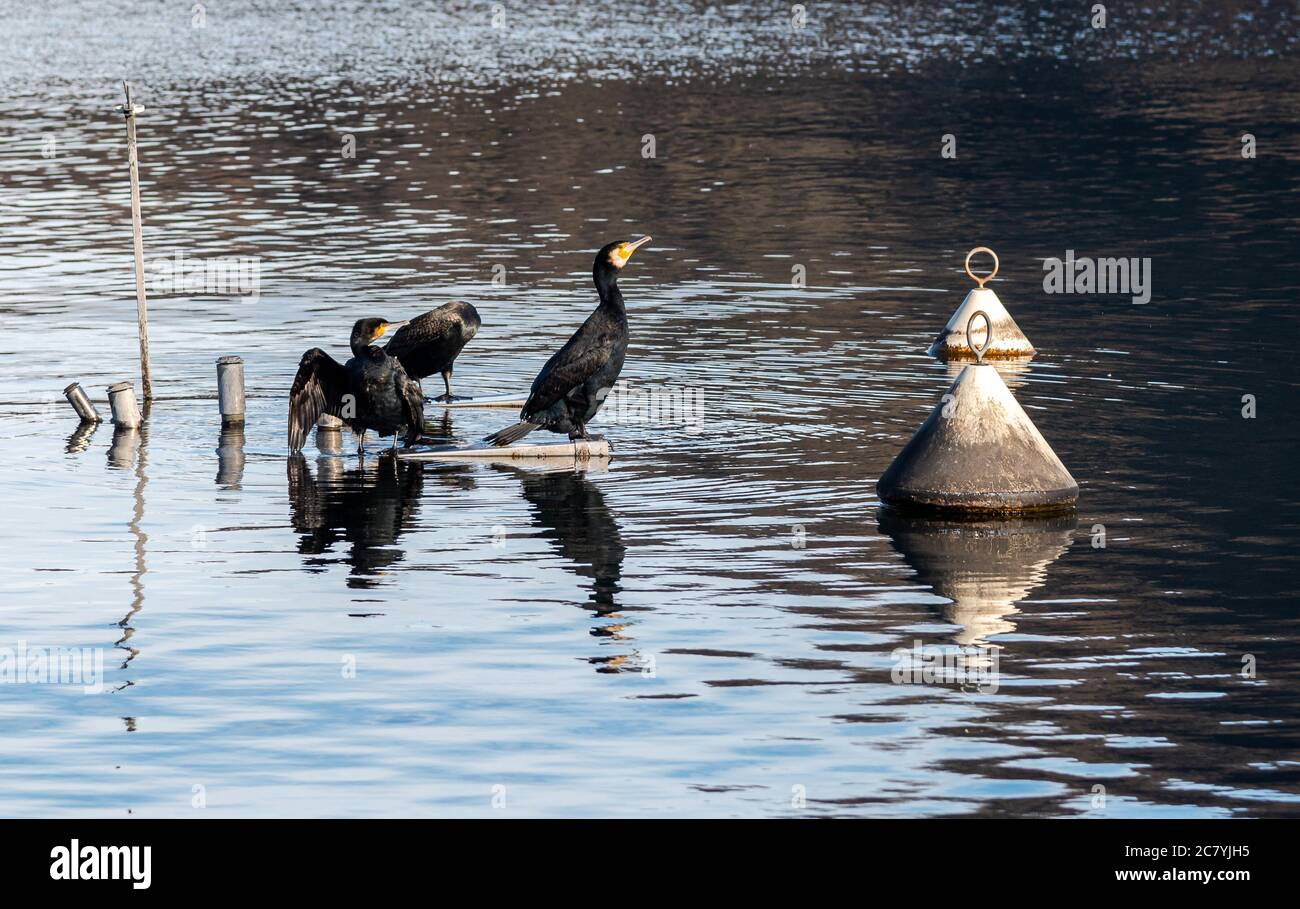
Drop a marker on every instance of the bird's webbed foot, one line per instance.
(581, 435)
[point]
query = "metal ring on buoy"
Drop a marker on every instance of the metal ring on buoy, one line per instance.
(988, 337)
(978, 280)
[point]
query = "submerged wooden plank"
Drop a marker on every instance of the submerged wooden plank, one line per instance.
(582, 450)
(515, 401)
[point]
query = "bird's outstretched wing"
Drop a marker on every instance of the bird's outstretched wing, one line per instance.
(574, 363)
(412, 406)
(318, 388)
(429, 342)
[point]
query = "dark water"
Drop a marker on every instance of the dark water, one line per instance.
(706, 624)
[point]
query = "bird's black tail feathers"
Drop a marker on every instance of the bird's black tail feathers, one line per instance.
(511, 434)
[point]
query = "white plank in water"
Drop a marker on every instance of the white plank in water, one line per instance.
(515, 401)
(581, 450)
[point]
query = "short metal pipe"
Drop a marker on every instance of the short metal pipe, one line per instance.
(230, 389)
(80, 402)
(126, 413)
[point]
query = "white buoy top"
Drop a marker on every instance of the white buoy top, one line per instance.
(1009, 341)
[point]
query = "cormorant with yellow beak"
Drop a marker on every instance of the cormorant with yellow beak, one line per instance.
(369, 391)
(573, 384)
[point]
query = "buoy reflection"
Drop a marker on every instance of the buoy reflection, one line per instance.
(1015, 373)
(982, 567)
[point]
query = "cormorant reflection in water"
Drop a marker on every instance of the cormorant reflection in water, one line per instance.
(368, 507)
(573, 516)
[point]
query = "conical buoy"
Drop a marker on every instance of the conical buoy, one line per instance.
(978, 451)
(952, 343)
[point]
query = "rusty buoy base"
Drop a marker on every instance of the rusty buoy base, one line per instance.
(978, 453)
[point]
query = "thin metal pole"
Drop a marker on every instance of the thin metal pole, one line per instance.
(141, 306)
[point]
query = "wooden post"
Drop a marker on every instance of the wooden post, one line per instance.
(121, 398)
(230, 389)
(129, 110)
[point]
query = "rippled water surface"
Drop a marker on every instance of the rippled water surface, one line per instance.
(706, 624)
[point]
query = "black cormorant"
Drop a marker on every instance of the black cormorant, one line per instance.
(370, 391)
(429, 344)
(572, 385)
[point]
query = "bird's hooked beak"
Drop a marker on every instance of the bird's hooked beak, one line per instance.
(387, 327)
(621, 253)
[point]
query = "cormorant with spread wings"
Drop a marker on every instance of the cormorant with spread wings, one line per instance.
(369, 391)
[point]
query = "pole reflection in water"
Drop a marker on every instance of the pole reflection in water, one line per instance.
(123, 448)
(982, 567)
(573, 516)
(131, 446)
(230, 456)
(368, 506)
(80, 438)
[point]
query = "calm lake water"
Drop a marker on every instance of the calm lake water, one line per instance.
(706, 625)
